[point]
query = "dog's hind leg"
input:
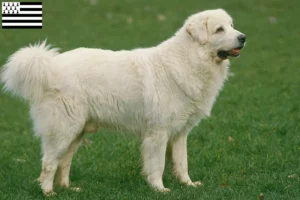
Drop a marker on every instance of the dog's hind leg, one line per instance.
(53, 149)
(59, 125)
(64, 165)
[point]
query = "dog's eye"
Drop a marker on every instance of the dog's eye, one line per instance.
(220, 29)
(231, 25)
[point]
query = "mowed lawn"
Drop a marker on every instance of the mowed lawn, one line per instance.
(250, 144)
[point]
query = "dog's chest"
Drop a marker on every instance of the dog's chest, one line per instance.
(189, 108)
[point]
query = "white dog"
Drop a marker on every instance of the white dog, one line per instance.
(159, 93)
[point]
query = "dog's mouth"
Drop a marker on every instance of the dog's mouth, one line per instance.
(233, 53)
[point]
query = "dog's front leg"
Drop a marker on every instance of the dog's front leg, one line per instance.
(154, 150)
(179, 158)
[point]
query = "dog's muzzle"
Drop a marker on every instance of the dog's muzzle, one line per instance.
(233, 52)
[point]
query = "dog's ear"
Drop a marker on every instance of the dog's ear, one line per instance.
(197, 28)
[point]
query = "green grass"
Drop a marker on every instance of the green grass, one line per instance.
(259, 106)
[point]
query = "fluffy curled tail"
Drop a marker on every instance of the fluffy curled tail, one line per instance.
(29, 72)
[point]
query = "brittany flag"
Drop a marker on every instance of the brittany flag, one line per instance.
(21, 15)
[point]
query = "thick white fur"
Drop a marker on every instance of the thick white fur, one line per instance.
(159, 93)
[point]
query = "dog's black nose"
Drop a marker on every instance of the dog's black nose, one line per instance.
(242, 38)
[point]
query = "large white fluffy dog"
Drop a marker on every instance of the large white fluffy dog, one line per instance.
(159, 93)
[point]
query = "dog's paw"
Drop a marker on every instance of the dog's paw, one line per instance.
(75, 189)
(194, 184)
(161, 189)
(164, 190)
(50, 194)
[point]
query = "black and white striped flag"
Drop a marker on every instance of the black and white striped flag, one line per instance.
(21, 15)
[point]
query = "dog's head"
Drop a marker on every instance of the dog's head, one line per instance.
(214, 28)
